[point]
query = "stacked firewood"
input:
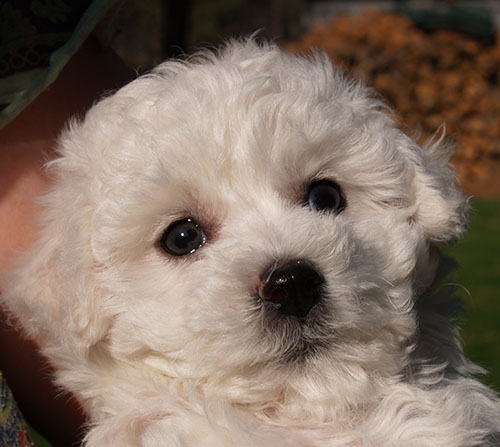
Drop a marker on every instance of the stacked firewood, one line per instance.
(428, 78)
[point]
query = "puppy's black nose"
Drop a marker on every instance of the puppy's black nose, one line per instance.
(293, 288)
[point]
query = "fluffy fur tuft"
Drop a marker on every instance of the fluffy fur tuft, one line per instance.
(178, 350)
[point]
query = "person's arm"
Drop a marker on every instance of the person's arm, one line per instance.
(25, 145)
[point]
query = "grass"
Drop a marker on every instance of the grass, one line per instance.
(478, 255)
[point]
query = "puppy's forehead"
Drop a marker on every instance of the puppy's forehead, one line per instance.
(249, 116)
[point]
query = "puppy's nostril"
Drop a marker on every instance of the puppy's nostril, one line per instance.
(294, 288)
(278, 294)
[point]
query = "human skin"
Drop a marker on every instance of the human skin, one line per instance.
(25, 145)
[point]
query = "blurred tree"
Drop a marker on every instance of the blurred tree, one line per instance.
(212, 21)
(177, 27)
(152, 30)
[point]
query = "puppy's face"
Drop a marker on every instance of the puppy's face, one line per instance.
(245, 221)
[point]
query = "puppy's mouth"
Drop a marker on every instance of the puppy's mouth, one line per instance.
(293, 309)
(293, 341)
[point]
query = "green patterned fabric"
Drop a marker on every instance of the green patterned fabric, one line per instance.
(37, 38)
(13, 429)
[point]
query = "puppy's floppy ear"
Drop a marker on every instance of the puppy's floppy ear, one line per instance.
(441, 209)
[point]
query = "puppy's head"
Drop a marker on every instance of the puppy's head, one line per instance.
(247, 221)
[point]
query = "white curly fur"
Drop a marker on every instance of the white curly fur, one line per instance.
(178, 351)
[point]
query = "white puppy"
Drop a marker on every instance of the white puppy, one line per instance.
(239, 250)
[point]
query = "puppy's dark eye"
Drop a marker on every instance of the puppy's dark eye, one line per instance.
(325, 195)
(183, 237)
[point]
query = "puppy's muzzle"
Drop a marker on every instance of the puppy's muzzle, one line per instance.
(292, 288)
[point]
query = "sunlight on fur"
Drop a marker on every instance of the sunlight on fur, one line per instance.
(240, 250)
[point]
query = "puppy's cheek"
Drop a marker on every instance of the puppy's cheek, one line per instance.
(391, 245)
(394, 258)
(147, 302)
(179, 312)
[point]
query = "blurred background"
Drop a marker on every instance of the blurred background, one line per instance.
(434, 61)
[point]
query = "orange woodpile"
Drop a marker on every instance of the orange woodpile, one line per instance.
(429, 78)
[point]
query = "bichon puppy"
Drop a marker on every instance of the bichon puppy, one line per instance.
(240, 250)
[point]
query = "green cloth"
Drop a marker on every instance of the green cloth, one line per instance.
(37, 38)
